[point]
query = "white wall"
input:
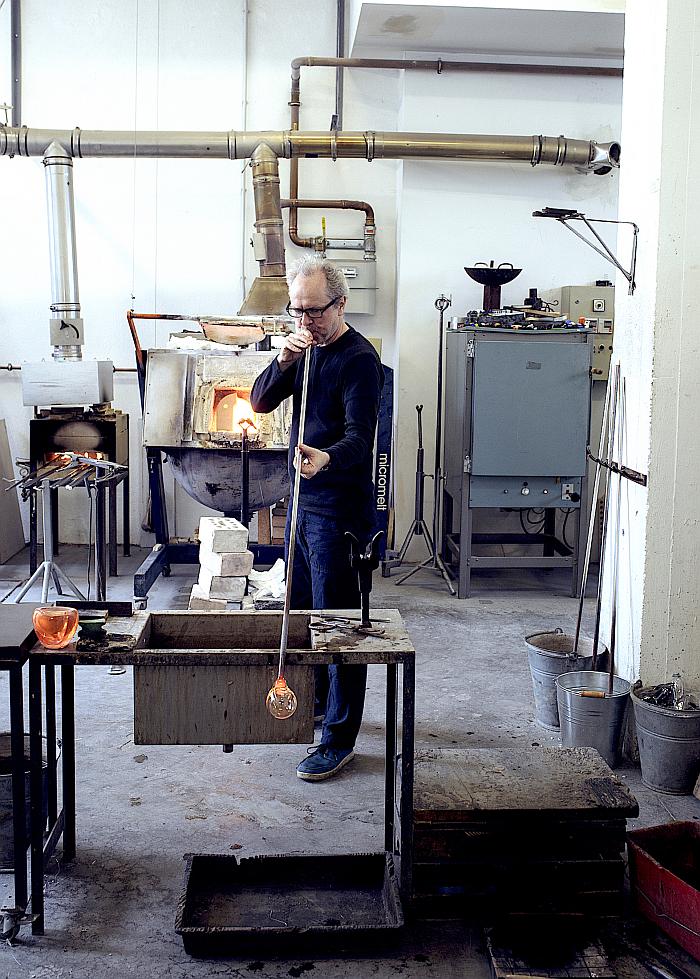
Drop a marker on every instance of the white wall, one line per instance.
(657, 341)
(456, 214)
(172, 234)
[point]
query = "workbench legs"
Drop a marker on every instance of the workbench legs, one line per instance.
(19, 824)
(404, 839)
(59, 823)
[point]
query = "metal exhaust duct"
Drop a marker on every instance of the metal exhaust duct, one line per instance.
(268, 293)
(584, 154)
(66, 324)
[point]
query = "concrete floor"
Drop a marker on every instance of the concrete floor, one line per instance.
(111, 913)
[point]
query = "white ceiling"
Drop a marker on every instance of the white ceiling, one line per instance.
(390, 29)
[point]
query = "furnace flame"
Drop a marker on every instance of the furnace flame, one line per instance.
(230, 409)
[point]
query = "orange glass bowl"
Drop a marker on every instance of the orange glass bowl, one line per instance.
(54, 626)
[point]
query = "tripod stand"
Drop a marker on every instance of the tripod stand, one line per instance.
(434, 562)
(48, 568)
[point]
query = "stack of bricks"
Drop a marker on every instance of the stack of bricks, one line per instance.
(224, 564)
(279, 519)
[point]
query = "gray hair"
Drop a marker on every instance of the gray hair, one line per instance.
(336, 283)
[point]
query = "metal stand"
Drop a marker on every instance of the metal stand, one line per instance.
(48, 568)
(434, 562)
(365, 562)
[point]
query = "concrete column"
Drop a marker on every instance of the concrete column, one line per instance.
(657, 340)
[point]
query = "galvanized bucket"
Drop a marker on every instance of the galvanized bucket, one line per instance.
(592, 722)
(669, 746)
(550, 654)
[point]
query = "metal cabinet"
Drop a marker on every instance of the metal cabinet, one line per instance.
(517, 416)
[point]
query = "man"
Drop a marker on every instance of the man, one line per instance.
(336, 492)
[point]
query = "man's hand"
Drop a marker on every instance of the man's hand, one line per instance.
(312, 460)
(294, 346)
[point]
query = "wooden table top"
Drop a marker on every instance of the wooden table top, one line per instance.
(159, 638)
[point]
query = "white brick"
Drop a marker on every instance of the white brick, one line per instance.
(214, 586)
(218, 534)
(199, 600)
(227, 564)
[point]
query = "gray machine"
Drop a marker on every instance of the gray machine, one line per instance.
(517, 414)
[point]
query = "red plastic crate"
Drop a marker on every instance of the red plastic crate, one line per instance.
(665, 876)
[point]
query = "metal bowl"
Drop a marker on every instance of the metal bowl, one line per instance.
(213, 476)
(487, 275)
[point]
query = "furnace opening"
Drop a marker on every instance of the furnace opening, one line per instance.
(231, 407)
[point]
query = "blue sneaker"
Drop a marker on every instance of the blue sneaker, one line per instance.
(323, 762)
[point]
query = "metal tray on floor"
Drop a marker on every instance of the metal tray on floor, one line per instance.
(279, 905)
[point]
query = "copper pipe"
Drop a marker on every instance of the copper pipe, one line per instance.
(440, 66)
(331, 205)
(388, 63)
(130, 317)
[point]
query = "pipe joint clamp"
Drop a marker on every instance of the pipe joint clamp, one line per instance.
(370, 137)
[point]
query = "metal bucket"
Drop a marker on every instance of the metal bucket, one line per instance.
(592, 722)
(549, 654)
(669, 746)
(7, 848)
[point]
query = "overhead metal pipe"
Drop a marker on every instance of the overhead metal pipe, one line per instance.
(585, 155)
(16, 60)
(440, 66)
(66, 324)
(437, 65)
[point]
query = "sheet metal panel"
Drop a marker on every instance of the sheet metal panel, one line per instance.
(166, 386)
(530, 406)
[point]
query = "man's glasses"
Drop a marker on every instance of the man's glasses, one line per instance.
(314, 313)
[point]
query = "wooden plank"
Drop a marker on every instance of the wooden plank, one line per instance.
(16, 630)
(560, 839)
(264, 528)
(329, 634)
(218, 638)
(219, 705)
(521, 880)
(463, 785)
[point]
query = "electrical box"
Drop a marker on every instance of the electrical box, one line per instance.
(362, 280)
(597, 305)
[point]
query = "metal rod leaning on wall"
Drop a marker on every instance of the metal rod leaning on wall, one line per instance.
(592, 519)
(612, 421)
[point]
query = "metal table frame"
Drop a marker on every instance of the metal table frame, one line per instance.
(13, 659)
(63, 823)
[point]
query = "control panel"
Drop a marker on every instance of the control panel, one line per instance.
(596, 305)
(515, 493)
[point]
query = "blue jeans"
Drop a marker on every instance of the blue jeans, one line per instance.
(323, 579)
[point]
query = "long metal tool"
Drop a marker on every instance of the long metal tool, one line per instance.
(612, 416)
(622, 395)
(591, 520)
(293, 520)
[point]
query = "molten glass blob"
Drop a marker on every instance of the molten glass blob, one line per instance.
(281, 701)
(55, 627)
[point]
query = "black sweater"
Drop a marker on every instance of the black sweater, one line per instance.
(345, 382)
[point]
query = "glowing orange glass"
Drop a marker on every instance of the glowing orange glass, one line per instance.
(281, 700)
(55, 627)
